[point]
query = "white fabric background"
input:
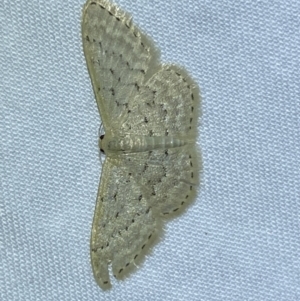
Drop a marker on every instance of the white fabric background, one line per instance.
(240, 240)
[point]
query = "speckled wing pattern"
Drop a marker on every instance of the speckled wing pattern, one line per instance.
(137, 97)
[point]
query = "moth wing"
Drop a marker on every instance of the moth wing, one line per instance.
(167, 178)
(166, 105)
(123, 224)
(118, 57)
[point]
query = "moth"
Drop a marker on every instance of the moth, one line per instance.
(149, 113)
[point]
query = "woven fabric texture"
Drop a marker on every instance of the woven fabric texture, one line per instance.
(240, 239)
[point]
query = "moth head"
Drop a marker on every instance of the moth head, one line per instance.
(102, 143)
